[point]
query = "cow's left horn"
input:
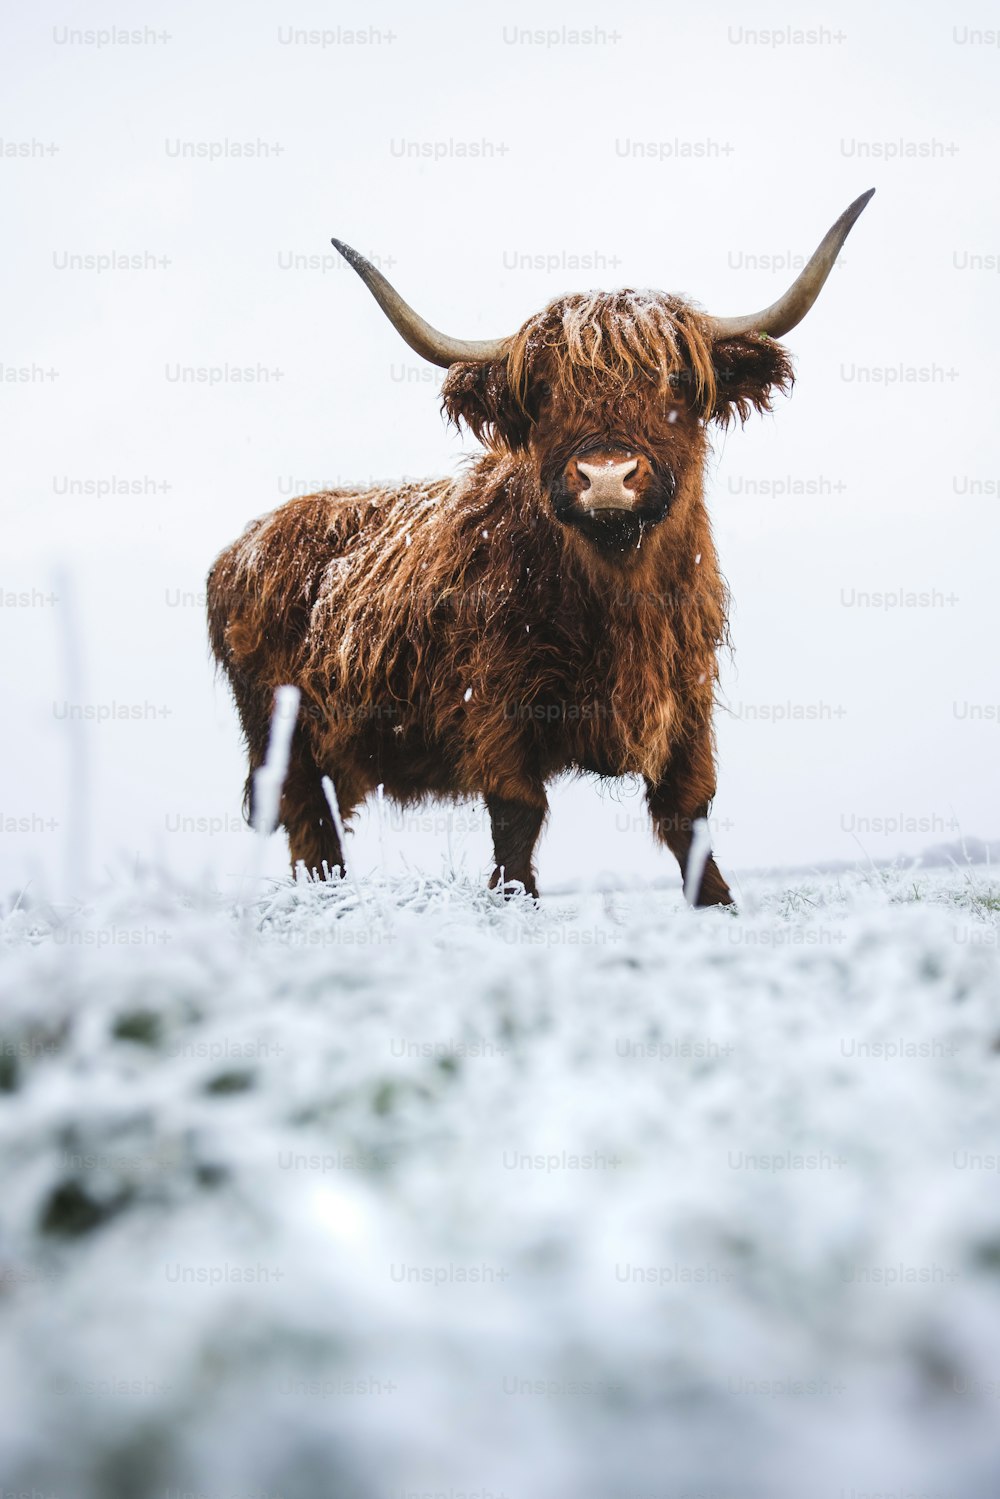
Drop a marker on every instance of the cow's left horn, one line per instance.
(782, 316)
(421, 337)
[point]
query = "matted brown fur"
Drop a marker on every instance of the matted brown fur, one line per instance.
(479, 636)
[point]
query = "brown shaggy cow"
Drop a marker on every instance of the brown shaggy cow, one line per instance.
(558, 608)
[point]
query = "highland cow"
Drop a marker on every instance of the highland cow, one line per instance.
(557, 608)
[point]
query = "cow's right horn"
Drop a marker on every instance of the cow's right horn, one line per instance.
(421, 337)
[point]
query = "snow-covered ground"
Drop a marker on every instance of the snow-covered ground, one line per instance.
(391, 1189)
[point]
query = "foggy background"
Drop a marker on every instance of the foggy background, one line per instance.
(488, 171)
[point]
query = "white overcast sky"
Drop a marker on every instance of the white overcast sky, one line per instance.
(907, 474)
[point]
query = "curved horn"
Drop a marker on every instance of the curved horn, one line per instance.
(421, 337)
(782, 316)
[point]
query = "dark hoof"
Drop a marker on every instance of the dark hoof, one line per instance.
(714, 892)
(514, 885)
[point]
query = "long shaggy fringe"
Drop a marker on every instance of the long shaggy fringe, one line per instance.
(615, 341)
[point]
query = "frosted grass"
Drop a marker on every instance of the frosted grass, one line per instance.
(394, 1187)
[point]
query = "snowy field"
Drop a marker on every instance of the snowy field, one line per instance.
(392, 1189)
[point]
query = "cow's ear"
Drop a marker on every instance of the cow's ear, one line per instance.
(481, 396)
(748, 372)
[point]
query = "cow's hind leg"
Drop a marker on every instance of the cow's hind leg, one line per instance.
(305, 813)
(516, 826)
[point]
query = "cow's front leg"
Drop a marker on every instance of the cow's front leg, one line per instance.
(516, 826)
(676, 803)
